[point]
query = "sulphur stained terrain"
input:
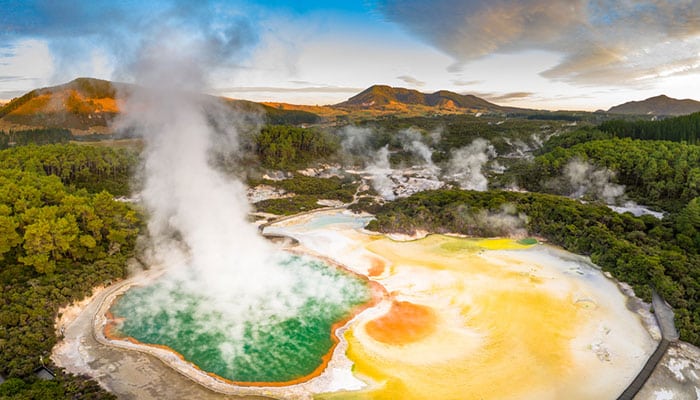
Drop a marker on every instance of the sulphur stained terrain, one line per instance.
(283, 348)
(481, 319)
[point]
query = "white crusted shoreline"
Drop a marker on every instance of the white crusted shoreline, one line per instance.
(339, 366)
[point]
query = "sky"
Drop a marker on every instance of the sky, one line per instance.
(547, 54)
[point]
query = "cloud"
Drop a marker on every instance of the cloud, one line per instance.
(411, 80)
(275, 89)
(75, 30)
(601, 41)
(458, 82)
(25, 61)
(509, 96)
(11, 94)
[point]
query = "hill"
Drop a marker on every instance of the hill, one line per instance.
(326, 112)
(81, 104)
(87, 105)
(659, 105)
(384, 97)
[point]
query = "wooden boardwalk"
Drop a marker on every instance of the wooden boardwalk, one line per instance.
(664, 317)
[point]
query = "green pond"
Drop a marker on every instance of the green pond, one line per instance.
(245, 347)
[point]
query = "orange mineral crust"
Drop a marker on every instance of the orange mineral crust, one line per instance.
(377, 267)
(404, 323)
(492, 319)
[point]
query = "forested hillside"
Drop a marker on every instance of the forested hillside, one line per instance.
(34, 136)
(661, 173)
(288, 147)
(679, 129)
(90, 167)
(58, 240)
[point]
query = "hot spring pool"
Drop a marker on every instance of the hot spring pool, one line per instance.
(438, 317)
(259, 347)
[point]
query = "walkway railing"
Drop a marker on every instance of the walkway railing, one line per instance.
(664, 318)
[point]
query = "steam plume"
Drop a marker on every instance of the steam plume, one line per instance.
(586, 179)
(504, 222)
(355, 139)
(381, 172)
(411, 140)
(197, 214)
(466, 164)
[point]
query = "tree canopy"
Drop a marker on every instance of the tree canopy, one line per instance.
(57, 242)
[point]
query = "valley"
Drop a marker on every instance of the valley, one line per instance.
(453, 219)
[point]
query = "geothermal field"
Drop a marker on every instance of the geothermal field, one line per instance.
(368, 315)
(375, 200)
(334, 310)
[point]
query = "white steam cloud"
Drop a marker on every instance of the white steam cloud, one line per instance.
(388, 182)
(381, 171)
(466, 164)
(411, 141)
(355, 139)
(588, 180)
(506, 222)
(196, 213)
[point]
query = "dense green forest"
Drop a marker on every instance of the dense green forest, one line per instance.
(685, 128)
(94, 168)
(645, 252)
(58, 240)
(276, 116)
(34, 136)
(661, 173)
(288, 147)
(573, 138)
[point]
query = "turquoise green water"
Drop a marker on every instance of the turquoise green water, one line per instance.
(323, 221)
(245, 348)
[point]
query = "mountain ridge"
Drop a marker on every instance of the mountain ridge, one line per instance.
(88, 105)
(657, 105)
(386, 97)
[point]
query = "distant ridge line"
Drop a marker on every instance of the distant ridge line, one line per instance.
(378, 96)
(658, 105)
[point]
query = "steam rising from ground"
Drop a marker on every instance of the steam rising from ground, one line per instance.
(381, 171)
(388, 182)
(466, 164)
(196, 213)
(355, 140)
(411, 141)
(506, 222)
(587, 179)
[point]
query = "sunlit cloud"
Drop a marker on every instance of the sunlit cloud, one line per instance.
(459, 82)
(277, 89)
(25, 62)
(601, 41)
(509, 96)
(411, 80)
(315, 52)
